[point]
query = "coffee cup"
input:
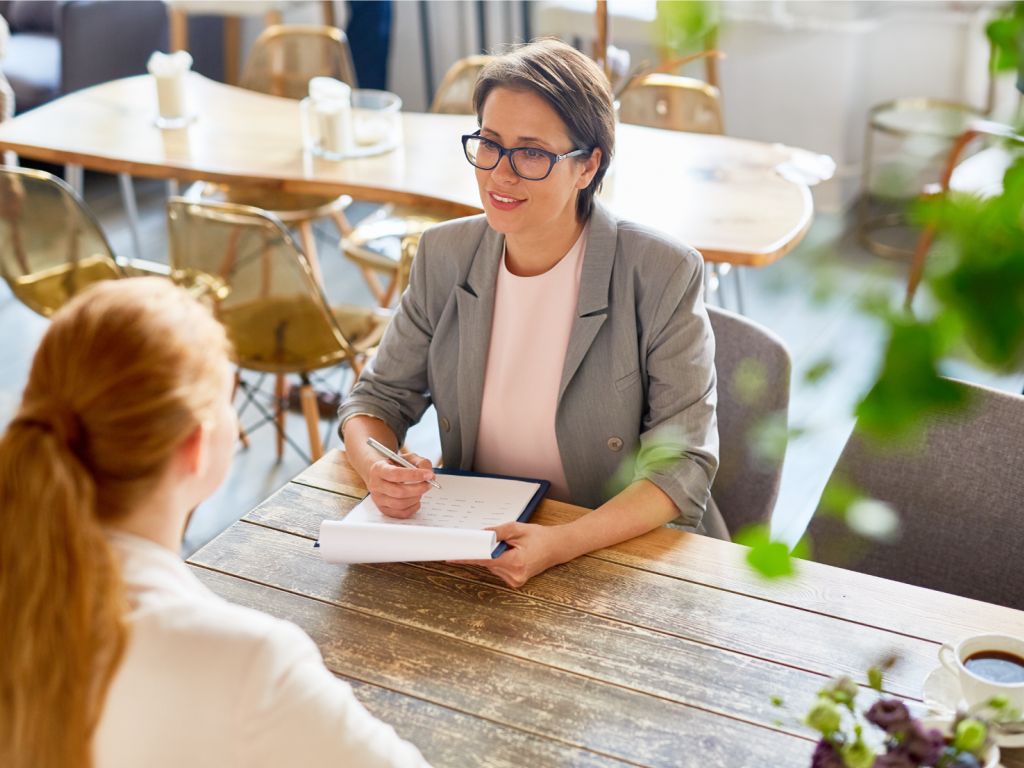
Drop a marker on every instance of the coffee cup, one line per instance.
(987, 666)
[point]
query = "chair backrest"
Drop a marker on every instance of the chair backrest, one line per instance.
(753, 368)
(672, 102)
(260, 282)
(285, 57)
(455, 94)
(959, 495)
(51, 246)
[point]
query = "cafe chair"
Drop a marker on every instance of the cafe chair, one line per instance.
(957, 492)
(375, 245)
(263, 290)
(674, 103)
(454, 95)
(282, 61)
(754, 368)
(51, 246)
(975, 165)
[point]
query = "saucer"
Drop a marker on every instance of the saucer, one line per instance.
(941, 694)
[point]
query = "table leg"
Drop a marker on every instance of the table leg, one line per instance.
(131, 210)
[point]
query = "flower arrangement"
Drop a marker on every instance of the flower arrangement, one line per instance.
(887, 735)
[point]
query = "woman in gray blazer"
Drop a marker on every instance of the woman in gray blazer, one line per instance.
(553, 340)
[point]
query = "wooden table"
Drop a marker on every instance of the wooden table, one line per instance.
(722, 195)
(665, 650)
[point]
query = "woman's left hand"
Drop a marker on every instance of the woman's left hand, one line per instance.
(531, 549)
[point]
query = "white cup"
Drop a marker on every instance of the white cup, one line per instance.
(975, 689)
(170, 96)
(327, 118)
(170, 73)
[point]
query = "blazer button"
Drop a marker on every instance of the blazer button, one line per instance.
(615, 444)
(445, 426)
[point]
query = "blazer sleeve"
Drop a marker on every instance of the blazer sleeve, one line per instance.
(679, 436)
(293, 711)
(393, 387)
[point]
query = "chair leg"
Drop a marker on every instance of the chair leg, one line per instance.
(279, 415)
(242, 437)
(309, 246)
(380, 294)
(924, 244)
(310, 410)
(132, 211)
(342, 223)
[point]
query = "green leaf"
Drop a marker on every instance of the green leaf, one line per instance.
(769, 558)
(819, 370)
(875, 678)
(909, 386)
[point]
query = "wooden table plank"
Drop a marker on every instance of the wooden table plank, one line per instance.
(909, 610)
(714, 679)
(573, 711)
(708, 615)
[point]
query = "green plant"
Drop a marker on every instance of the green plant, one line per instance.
(887, 735)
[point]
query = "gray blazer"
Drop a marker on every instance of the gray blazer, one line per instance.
(637, 395)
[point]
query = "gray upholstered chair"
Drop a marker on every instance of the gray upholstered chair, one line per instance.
(959, 493)
(753, 368)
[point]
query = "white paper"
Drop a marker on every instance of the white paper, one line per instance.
(448, 526)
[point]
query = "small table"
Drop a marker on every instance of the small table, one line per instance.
(736, 201)
(665, 650)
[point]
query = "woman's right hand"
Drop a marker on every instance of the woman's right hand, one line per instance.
(397, 490)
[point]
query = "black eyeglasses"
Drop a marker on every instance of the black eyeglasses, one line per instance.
(529, 163)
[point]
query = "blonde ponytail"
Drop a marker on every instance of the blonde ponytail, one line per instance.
(123, 375)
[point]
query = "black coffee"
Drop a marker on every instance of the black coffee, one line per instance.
(996, 666)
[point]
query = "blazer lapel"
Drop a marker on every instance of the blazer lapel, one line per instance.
(475, 301)
(592, 307)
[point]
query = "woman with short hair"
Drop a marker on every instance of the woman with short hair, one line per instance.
(113, 652)
(554, 340)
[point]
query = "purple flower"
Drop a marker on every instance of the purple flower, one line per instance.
(890, 715)
(923, 745)
(826, 756)
(897, 758)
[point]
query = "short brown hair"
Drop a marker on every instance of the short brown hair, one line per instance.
(575, 88)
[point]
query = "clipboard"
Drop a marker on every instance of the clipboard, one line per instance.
(544, 487)
(453, 527)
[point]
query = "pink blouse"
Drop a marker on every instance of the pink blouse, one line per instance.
(533, 318)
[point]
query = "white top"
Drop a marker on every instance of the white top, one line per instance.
(204, 682)
(533, 319)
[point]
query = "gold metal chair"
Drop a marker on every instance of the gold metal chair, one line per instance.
(264, 291)
(285, 56)
(672, 102)
(283, 60)
(51, 246)
(366, 245)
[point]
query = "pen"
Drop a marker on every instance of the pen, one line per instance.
(384, 450)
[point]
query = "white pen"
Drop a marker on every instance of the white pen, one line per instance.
(385, 451)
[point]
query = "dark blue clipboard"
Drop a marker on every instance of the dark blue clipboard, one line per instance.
(526, 514)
